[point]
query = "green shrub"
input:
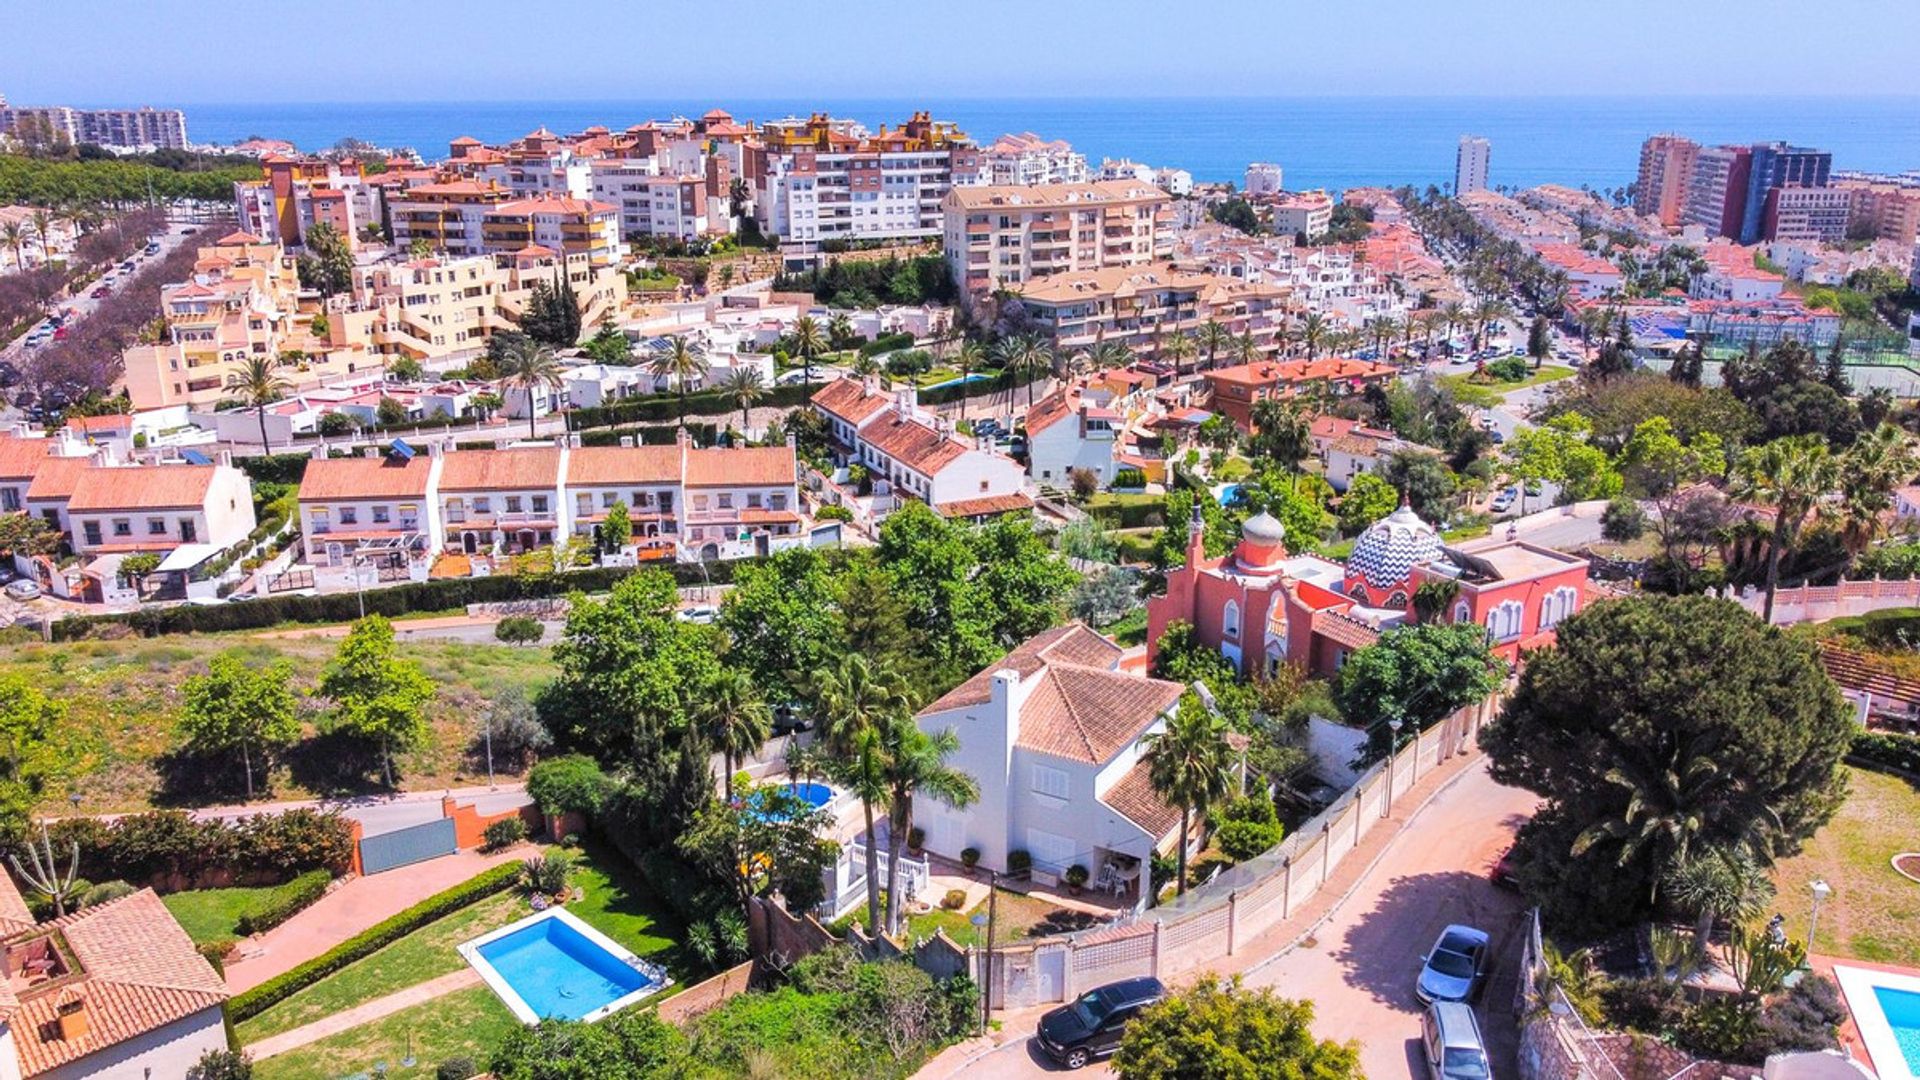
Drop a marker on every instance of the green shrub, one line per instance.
(954, 900)
(1508, 369)
(571, 784)
(1075, 876)
(106, 891)
(458, 1068)
(546, 875)
(519, 630)
(505, 833)
(1243, 840)
(221, 1065)
(1128, 512)
(163, 844)
(250, 1003)
(1886, 750)
(833, 513)
(441, 594)
(285, 902)
(1019, 861)
(887, 343)
(969, 856)
(1129, 478)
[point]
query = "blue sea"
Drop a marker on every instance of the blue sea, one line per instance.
(1331, 142)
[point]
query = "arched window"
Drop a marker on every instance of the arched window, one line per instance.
(1230, 619)
(1462, 612)
(1504, 621)
(1397, 600)
(1557, 605)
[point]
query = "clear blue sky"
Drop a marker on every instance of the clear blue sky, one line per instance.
(165, 52)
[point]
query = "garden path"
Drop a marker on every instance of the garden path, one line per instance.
(364, 1014)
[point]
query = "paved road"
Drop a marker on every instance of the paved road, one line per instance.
(84, 304)
(384, 813)
(1359, 970)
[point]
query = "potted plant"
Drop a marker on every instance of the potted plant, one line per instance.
(969, 857)
(916, 836)
(1076, 876)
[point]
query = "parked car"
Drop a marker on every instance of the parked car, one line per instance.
(1503, 502)
(101, 293)
(1501, 873)
(1456, 968)
(153, 247)
(700, 613)
(23, 590)
(1450, 1040)
(1090, 1026)
(988, 428)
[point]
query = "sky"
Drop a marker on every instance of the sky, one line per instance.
(182, 52)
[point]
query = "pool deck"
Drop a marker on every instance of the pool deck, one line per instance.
(1852, 1040)
(510, 995)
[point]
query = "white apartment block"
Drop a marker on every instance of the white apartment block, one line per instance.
(1470, 165)
(673, 205)
(827, 179)
(1264, 178)
(1028, 159)
(1306, 212)
(998, 236)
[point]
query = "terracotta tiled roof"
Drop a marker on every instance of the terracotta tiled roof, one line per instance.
(56, 477)
(14, 915)
(1861, 673)
(1341, 630)
(237, 237)
(139, 973)
(1049, 411)
(21, 459)
(991, 504)
(514, 469)
(142, 487)
(365, 478)
(607, 465)
(913, 444)
(1088, 714)
(849, 400)
(1078, 706)
(741, 466)
(1134, 799)
(552, 204)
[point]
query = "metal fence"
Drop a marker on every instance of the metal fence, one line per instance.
(403, 847)
(1239, 904)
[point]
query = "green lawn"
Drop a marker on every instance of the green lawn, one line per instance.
(616, 903)
(427, 953)
(1874, 913)
(467, 1023)
(1547, 373)
(1130, 629)
(210, 914)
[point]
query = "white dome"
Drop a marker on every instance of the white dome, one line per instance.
(1390, 548)
(1263, 529)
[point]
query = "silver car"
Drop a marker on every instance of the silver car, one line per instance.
(24, 589)
(1450, 1041)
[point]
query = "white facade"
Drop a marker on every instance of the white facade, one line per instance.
(1470, 165)
(1264, 178)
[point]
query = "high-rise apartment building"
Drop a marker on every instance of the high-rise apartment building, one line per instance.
(999, 236)
(1717, 189)
(1889, 211)
(1777, 165)
(1817, 214)
(121, 129)
(824, 178)
(1470, 165)
(1264, 178)
(1666, 169)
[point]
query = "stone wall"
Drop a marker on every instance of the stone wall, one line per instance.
(706, 996)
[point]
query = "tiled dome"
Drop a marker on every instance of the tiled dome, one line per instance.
(1390, 548)
(1263, 529)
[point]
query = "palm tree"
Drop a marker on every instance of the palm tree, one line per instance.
(679, 363)
(1190, 766)
(839, 330)
(735, 717)
(1023, 356)
(968, 358)
(531, 366)
(745, 388)
(916, 764)
(809, 340)
(1719, 885)
(43, 227)
(1454, 314)
(1213, 338)
(15, 237)
(1111, 354)
(1245, 349)
(259, 385)
(1791, 475)
(854, 701)
(1177, 348)
(1486, 313)
(1877, 463)
(1313, 333)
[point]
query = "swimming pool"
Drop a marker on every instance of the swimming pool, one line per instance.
(813, 794)
(553, 965)
(1886, 1009)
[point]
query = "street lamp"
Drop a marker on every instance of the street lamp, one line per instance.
(1393, 749)
(1821, 890)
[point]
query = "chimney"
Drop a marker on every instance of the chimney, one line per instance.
(792, 443)
(439, 447)
(226, 459)
(683, 437)
(626, 442)
(71, 1011)
(319, 451)
(573, 440)
(370, 452)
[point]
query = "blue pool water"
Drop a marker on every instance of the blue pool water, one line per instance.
(560, 972)
(816, 795)
(1230, 494)
(1902, 1010)
(972, 376)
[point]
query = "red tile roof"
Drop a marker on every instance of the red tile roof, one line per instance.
(139, 973)
(56, 477)
(849, 400)
(1049, 411)
(614, 465)
(741, 466)
(1135, 799)
(514, 469)
(981, 507)
(913, 444)
(20, 459)
(365, 478)
(142, 487)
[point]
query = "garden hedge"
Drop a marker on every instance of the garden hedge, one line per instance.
(1886, 750)
(170, 850)
(1128, 512)
(443, 594)
(251, 1003)
(285, 902)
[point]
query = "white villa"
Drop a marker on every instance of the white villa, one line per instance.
(1054, 733)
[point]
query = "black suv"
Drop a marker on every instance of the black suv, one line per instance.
(1089, 1027)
